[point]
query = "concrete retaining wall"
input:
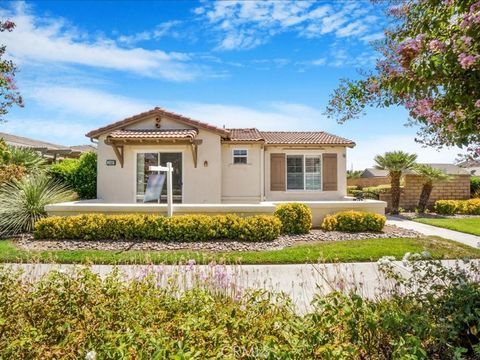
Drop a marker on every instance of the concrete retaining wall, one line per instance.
(319, 208)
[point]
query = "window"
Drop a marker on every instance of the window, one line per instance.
(304, 172)
(240, 156)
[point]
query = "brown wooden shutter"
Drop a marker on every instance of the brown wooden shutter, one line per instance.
(277, 172)
(330, 172)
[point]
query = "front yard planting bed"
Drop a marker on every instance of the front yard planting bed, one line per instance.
(309, 252)
(469, 225)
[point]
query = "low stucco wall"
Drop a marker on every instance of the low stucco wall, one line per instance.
(319, 208)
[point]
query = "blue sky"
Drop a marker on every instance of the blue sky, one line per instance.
(270, 65)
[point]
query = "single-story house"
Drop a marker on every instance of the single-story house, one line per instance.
(51, 152)
(373, 173)
(472, 166)
(216, 170)
(216, 165)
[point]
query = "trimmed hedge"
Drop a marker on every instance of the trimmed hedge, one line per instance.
(450, 207)
(153, 227)
(354, 221)
(296, 218)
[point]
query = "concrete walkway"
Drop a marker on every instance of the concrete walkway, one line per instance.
(301, 282)
(429, 230)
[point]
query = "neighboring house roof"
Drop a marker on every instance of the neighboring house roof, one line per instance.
(46, 148)
(156, 111)
(449, 169)
(374, 172)
(154, 134)
(83, 148)
(474, 170)
(234, 135)
(469, 164)
(304, 138)
(21, 141)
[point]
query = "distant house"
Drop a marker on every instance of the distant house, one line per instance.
(373, 172)
(472, 166)
(48, 150)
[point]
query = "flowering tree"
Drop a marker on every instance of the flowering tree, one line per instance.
(8, 90)
(430, 64)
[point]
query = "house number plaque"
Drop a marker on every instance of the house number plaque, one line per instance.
(111, 162)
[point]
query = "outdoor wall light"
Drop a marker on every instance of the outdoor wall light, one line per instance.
(205, 163)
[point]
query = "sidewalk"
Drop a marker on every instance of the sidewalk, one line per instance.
(429, 230)
(301, 282)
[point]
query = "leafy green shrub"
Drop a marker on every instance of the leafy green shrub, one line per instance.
(11, 172)
(446, 207)
(475, 186)
(80, 174)
(152, 227)
(19, 157)
(22, 202)
(450, 207)
(200, 312)
(296, 218)
(354, 221)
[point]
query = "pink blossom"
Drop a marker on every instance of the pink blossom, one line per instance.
(466, 61)
(477, 103)
(467, 40)
(450, 127)
(8, 25)
(436, 45)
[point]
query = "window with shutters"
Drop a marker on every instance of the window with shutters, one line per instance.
(240, 156)
(304, 172)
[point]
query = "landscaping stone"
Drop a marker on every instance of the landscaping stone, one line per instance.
(28, 243)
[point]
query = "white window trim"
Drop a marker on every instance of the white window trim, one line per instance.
(304, 173)
(234, 156)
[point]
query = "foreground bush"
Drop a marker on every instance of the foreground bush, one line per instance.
(354, 221)
(296, 218)
(22, 202)
(191, 312)
(79, 174)
(450, 207)
(475, 186)
(152, 227)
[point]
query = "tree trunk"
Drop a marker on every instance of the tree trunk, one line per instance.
(424, 196)
(395, 191)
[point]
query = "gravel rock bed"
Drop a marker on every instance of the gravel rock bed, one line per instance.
(26, 242)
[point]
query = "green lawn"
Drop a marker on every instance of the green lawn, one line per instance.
(466, 225)
(342, 251)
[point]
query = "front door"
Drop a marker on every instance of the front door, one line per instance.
(145, 160)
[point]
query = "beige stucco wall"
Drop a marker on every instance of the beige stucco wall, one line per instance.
(307, 195)
(200, 185)
(241, 183)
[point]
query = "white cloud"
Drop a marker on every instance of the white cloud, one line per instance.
(269, 116)
(161, 30)
(362, 155)
(247, 24)
(46, 40)
(89, 102)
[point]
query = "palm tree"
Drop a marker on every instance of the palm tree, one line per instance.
(395, 162)
(430, 175)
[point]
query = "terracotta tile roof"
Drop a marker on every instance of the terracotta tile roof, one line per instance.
(153, 134)
(245, 135)
(21, 141)
(156, 111)
(304, 138)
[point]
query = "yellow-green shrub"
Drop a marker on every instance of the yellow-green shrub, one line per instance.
(354, 221)
(296, 218)
(450, 207)
(152, 227)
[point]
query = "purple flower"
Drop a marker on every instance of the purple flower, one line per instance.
(477, 103)
(466, 61)
(436, 45)
(191, 263)
(467, 40)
